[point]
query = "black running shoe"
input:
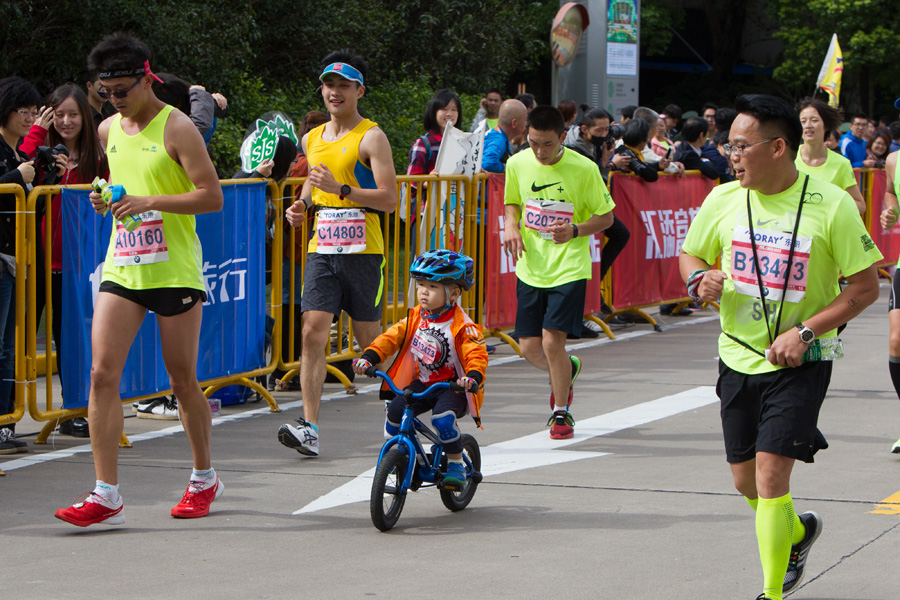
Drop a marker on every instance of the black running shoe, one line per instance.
(799, 552)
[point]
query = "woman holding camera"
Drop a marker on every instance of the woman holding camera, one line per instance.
(18, 107)
(64, 133)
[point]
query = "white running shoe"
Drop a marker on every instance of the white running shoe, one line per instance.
(163, 408)
(303, 439)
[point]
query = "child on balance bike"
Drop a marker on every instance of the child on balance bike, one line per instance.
(437, 342)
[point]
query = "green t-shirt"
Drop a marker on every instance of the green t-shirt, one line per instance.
(571, 187)
(831, 240)
(836, 170)
(492, 123)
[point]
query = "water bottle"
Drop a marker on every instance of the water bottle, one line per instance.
(821, 349)
(114, 193)
(824, 349)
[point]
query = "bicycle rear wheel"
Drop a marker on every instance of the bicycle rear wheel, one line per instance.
(388, 494)
(458, 500)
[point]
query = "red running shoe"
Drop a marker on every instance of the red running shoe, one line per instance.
(91, 509)
(195, 503)
(562, 425)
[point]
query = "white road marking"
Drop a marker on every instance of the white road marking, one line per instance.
(537, 449)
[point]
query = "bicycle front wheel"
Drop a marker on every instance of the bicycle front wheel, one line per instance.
(458, 500)
(388, 494)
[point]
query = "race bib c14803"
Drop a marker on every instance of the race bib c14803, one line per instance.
(340, 230)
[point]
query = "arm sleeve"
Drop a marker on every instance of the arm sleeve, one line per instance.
(417, 159)
(36, 137)
(702, 240)
(494, 147)
(388, 342)
(203, 107)
(852, 248)
(474, 353)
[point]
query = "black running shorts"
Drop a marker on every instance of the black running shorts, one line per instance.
(165, 302)
(773, 412)
(350, 282)
(895, 292)
(559, 308)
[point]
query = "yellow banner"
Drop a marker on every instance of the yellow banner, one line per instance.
(830, 75)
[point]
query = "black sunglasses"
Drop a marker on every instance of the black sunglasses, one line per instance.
(119, 93)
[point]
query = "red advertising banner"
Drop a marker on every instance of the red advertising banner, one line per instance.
(887, 241)
(658, 215)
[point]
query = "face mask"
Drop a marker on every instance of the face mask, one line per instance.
(597, 140)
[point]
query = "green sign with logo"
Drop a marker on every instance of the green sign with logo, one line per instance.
(260, 144)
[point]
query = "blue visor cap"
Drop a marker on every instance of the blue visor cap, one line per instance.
(897, 104)
(344, 70)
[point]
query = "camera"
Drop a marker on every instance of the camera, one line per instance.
(634, 163)
(615, 133)
(46, 157)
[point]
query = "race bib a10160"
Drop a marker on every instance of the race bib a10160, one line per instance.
(540, 215)
(340, 230)
(143, 246)
(772, 249)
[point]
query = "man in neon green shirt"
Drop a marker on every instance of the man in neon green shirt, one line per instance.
(158, 155)
(555, 201)
(778, 286)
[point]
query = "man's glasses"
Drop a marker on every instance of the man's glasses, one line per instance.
(28, 113)
(118, 93)
(738, 149)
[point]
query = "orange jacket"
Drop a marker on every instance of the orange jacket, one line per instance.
(470, 349)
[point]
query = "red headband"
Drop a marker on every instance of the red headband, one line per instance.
(147, 71)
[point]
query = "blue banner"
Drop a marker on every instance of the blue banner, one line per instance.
(232, 336)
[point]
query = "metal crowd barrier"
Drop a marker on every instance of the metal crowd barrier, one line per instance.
(424, 221)
(441, 211)
(29, 363)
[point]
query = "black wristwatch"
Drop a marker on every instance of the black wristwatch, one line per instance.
(574, 230)
(807, 335)
(345, 191)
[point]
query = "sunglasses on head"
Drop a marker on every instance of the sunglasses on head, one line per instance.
(118, 93)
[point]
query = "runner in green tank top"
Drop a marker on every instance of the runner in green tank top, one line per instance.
(159, 156)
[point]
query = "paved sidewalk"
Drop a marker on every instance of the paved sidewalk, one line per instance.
(640, 505)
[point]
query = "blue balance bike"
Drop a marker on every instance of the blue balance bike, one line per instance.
(403, 463)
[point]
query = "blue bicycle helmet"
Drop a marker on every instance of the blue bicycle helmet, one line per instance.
(444, 266)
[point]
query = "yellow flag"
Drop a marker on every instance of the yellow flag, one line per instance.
(830, 75)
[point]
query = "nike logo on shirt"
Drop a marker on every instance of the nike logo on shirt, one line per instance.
(537, 188)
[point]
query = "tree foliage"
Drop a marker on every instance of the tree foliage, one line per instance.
(265, 55)
(869, 34)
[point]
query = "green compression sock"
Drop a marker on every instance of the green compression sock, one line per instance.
(775, 530)
(753, 503)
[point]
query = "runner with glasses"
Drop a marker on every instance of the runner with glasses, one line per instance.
(158, 155)
(782, 237)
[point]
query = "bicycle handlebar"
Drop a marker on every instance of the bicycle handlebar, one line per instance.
(434, 387)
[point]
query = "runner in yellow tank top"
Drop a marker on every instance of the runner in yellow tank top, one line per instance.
(351, 179)
(172, 180)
